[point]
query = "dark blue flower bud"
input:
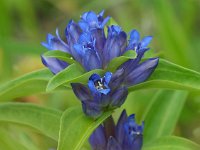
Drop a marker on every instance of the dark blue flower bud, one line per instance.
(98, 140)
(140, 72)
(55, 65)
(115, 44)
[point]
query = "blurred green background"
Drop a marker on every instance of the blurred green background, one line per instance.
(175, 26)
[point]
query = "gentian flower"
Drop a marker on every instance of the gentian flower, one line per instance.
(89, 21)
(89, 45)
(98, 95)
(125, 135)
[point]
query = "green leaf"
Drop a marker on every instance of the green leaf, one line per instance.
(5, 143)
(66, 75)
(69, 75)
(163, 113)
(44, 119)
(75, 128)
(116, 62)
(27, 84)
(169, 75)
(171, 143)
(60, 55)
(85, 77)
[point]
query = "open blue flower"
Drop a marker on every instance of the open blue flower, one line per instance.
(89, 21)
(139, 46)
(127, 135)
(97, 84)
(98, 96)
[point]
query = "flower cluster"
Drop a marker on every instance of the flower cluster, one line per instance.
(89, 44)
(127, 135)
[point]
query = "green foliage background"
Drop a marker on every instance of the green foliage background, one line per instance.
(174, 25)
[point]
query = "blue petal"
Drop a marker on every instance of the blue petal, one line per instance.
(137, 143)
(104, 91)
(105, 100)
(54, 64)
(118, 97)
(105, 21)
(85, 38)
(117, 79)
(108, 76)
(102, 21)
(92, 109)
(92, 87)
(72, 31)
(120, 127)
(141, 72)
(94, 77)
(111, 50)
(54, 43)
(134, 36)
(49, 37)
(114, 30)
(91, 60)
(131, 122)
(97, 139)
(100, 39)
(83, 25)
(81, 91)
(123, 41)
(66, 47)
(79, 49)
(145, 41)
(46, 45)
(113, 144)
(92, 19)
(84, 15)
(101, 13)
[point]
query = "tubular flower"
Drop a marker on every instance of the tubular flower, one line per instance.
(98, 95)
(92, 47)
(126, 135)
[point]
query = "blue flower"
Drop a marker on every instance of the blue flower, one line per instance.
(89, 21)
(85, 48)
(89, 45)
(99, 85)
(139, 46)
(98, 96)
(125, 135)
(55, 43)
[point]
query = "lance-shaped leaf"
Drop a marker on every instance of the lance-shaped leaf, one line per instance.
(163, 113)
(27, 84)
(170, 75)
(60, 55)
(66, 75)
(75, 128)
(44, 119)
(171, 143)
(71, 74)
